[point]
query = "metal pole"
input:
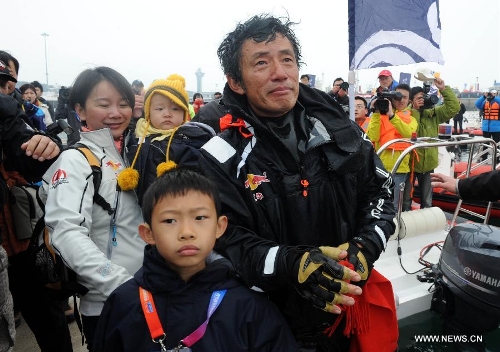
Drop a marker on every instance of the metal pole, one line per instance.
(45, 35)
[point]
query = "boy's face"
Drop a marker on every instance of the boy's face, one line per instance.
(164, 113)
(184, 229)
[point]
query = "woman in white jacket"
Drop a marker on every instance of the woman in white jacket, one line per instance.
(104, 249)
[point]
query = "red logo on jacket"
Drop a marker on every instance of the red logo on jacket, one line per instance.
(254, 181)
(58, 178)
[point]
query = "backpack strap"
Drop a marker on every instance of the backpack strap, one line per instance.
(95, 165)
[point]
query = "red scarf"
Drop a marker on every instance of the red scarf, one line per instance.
(371, 323)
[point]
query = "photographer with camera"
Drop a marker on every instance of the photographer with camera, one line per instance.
(339, 93)
(489, 103)
(430, 116)
(393, 119)
(64, 112)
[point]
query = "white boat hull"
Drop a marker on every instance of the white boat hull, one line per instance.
(411, 295)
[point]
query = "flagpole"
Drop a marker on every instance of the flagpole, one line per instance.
(351, 78)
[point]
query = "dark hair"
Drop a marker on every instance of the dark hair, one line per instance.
(138, 83)
(338, 79)
(359, 97)
(217, 93)
(305, 76)
(6, 57)
(178, 182)
(37, 84)
(197, 95)
(259, 28)
(87, 80)
(27, 86)
(403, 86)
(415, 90)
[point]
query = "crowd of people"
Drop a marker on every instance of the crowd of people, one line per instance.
(398, 111)
(260, 214)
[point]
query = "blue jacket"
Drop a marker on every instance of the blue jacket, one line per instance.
(489, 125)
(244, 321)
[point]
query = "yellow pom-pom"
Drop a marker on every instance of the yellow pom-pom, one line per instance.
(128, 179)
(164, 167)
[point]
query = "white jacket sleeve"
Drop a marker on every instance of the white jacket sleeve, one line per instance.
(70, 217)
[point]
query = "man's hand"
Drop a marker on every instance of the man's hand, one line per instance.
(356, 257)
(447, 183)
(41, 147)
(390, 111)
(138, 107)
(321, 280)
(439, 83)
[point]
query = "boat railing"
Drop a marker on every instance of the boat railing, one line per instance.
(484, 150)
(429, 142)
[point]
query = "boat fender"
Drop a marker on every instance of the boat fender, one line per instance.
(420, 222)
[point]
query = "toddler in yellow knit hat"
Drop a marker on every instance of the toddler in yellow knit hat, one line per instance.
(164, 137)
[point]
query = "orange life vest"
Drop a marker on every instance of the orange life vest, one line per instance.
(364, 124)
(389, 131)
(491, 111)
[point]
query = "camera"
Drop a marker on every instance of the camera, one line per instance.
(59, 126)
(64, 93)
(383, 100)
(429, 99)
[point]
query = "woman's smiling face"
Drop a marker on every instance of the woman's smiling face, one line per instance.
(106, 108)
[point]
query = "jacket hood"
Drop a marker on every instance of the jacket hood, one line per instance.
(318, 105)
(157, 276)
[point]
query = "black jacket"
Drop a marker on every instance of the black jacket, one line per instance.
(244, 321)
(269, 204)
(14, 132)
(481, 187)
(460, 115)
(184, 150)
(211, 113)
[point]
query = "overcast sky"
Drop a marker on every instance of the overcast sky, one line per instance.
(151, 39)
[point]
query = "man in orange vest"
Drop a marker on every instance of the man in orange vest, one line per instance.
(489, 103)
(395, 123)
(361, 112)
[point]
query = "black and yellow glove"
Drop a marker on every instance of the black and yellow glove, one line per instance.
(360, 254)
(318, 277)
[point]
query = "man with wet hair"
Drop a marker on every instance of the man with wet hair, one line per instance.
(305, 194)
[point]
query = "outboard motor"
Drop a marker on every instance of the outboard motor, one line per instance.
(468, 283)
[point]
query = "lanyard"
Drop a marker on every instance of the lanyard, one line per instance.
(154, 324)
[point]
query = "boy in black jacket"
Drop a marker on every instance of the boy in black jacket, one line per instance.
(187, 285)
